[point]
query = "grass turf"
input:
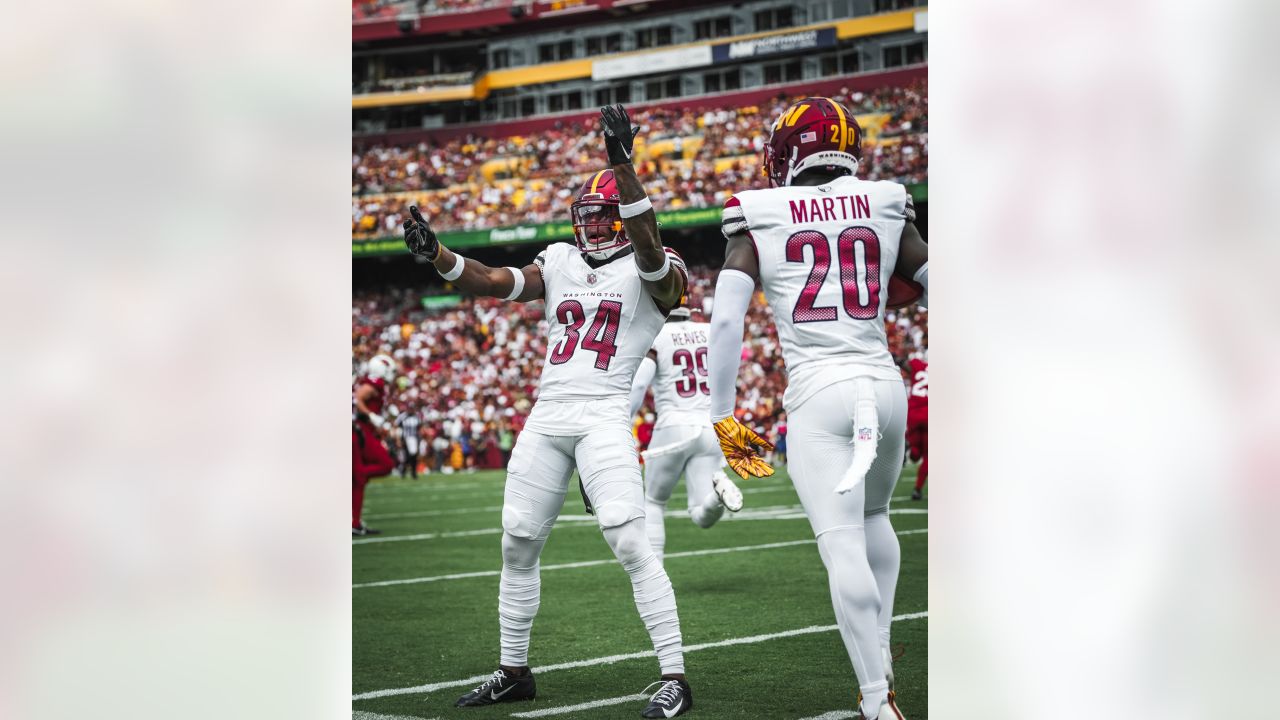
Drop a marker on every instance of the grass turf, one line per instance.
(407, 635)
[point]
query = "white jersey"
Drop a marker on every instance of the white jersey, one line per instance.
(826, 253)
(601, 321)
(680, 391)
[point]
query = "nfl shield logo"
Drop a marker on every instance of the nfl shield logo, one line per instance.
(864, 433)
(591, 278)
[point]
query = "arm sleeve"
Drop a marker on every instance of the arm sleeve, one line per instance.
(732, 219)
(644, 375)
(922, 277)
(724, 353)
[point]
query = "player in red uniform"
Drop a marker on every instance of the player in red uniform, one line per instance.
(918, 418)
(369, 457)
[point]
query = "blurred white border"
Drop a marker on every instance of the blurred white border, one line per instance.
(1104, 360)
(176, 365)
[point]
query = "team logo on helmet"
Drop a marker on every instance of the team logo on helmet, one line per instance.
(813, 132)
(597, 221)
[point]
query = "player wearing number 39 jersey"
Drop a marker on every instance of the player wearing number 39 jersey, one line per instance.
(606, 298)
(825, 246)
(683, 443)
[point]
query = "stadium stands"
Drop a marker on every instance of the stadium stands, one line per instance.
(692, 157)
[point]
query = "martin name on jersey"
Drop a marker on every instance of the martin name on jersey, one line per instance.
(802, 234)
(601, 321)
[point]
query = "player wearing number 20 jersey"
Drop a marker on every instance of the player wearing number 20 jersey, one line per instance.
(824, 245)
(683, 443)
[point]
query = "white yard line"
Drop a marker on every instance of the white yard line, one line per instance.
(585, 563)
(834, 715)
(592, 563)
(779, 512)
(364, 715)
(427, 536)
(610, 659)
(434, 513)
(581, 706)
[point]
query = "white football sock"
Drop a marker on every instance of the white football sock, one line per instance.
(519, 590)
(708, 511)
(857, 604)
(655, 599)
(885, 557)
(655, 525)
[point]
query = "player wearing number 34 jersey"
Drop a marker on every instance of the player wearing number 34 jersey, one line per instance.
(605, 298)
(825, 245)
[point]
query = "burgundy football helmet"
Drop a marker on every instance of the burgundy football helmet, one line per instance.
(597, 221)
(813, 132)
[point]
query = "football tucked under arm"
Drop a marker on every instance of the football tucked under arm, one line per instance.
(910, 280)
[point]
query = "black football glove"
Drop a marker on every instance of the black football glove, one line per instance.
(419, 237)
(619, 133)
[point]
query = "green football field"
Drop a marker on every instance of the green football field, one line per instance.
(759, 631)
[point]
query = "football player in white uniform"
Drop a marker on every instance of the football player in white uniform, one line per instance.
(606, 298)
(683, 443)
(824, 245)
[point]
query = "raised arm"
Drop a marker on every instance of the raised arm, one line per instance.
(508, 283)
(641, 223)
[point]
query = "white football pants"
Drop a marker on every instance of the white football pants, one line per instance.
(693, 452)
(537, 479)
(855, 539)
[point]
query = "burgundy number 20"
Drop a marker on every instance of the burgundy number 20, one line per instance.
(601, 336)
(857, 249)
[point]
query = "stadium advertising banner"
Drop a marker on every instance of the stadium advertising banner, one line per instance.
(645, 63)
(549, 232)
(773, 44)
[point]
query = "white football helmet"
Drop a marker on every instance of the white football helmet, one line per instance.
(381, 367)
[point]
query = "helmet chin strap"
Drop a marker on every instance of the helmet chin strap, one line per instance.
(604, 254)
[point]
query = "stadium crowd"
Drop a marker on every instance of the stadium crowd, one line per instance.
(685, 163)
(471, 369)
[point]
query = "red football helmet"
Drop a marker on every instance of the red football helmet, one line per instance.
(813, 132)
(597, 222)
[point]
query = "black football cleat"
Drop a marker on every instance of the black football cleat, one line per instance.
(363, 530)
(673, 698)
(916, 494)
(500, 688)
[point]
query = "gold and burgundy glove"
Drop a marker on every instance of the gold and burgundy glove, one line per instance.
(737, 442)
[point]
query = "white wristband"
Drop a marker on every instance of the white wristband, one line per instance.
(456, 272)
(659, 273)
(636, 208)
(517, 277)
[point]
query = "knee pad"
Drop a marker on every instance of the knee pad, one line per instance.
(629, 543)
(519, 553)
(522, 524)
(616, 514)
